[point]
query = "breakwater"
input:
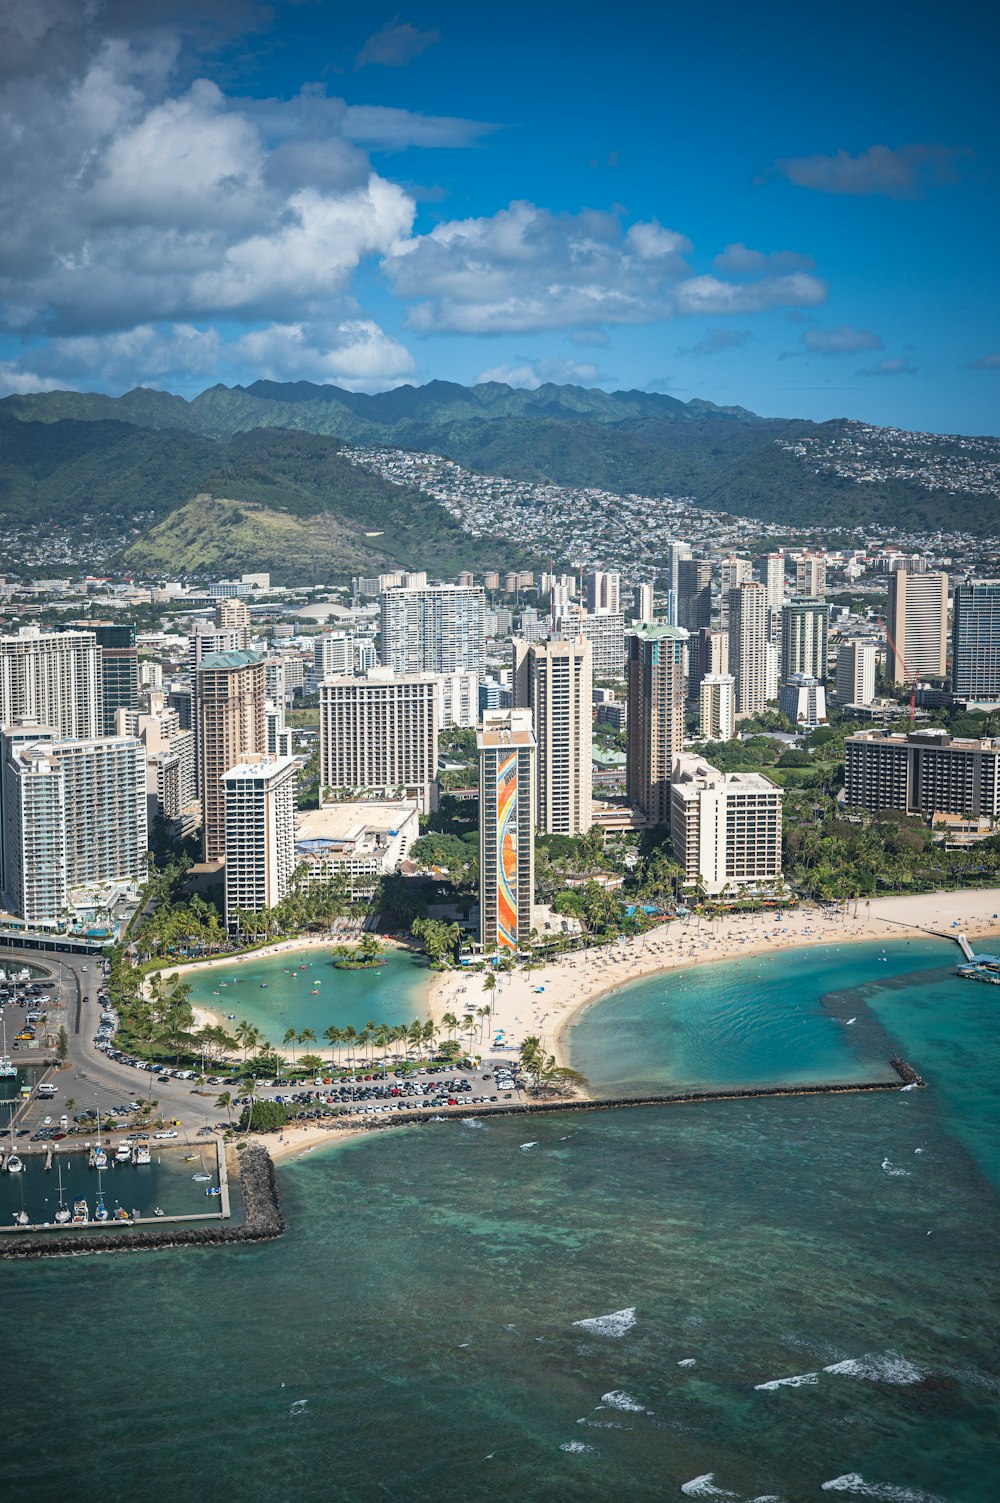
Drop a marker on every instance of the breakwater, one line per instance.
(263, 1222)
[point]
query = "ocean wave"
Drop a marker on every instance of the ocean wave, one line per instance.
(593, 1424)
(688, 1362)
(299, 1407)
(526, 1146)
(880, 1367)
(619, 1399)
(854, 1483)
(473, 1122)
(798, 1380)
(617, 1324)
(577, 1448)
(704, 1487)
(892, 1171)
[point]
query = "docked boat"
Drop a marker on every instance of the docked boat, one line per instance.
(123, 1154)
(98, 1158)
(142, 1154)
(81, 1212)
(13, 1165)
(981, 968)
(158, 1211)
(8, 1069)
(21, 1218)
(63, 1214)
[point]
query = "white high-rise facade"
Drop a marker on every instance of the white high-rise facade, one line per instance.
(749, 660)
(554, 681)
(725, 828)
(437, 629)
(918, 621)
(259, 803)
(604, 631)
(856, 672)
(602, 592)
(333, 652)
(810, 575)
(733, 571)
(774, 579)
(380, 735)
(52, 679)
(717, 707)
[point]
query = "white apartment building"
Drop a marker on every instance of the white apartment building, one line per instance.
(856, 661)
(434, 629)
(259, 812)
(602, 592)
(733, 571)
(459, 700)
(74, 819)
(918, 621)
(774, 580)
(725, 828)
(748, 647)
(52, 679)
(605, 633)
(810, 575)
(380, 734)
(803, 700)
(333, 652)
(171, 784)
(554, 680)
(717, 707)
(643, 605)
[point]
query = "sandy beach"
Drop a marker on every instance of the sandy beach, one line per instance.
(545, 1001)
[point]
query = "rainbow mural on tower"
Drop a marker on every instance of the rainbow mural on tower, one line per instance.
(507, 850)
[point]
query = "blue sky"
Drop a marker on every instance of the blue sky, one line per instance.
(786, 208)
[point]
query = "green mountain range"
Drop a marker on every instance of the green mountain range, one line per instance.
(129, 462)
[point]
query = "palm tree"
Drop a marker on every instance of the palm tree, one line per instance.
(307, 1036)
(249, 1086)
(484, 1014)
(244, 1037)
(449, 1021)
(333, 1036)
(224, 1101)
(291, 1037)
(349, 1037)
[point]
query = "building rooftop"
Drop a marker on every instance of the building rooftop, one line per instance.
(658, 631)
(222, 662)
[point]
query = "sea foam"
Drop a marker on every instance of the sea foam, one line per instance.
(577, 1447)
(892, 1171)
(855, 1484)
(798, 1380)
(704, 1487)
(617, 1324)
(880, 1367)
(619, 1399)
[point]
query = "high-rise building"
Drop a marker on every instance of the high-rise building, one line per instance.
(52, 679)
(231, 695)
(234, 615)
(602, 592)
(926, 772)
(708, 652)
(657, 657)
(803, 700)
(333, 652)
(642, 603)
(733, 572)
(119, 670)
(675, 553)
(259, 804)
(717, 707)
(436, 629)
(803, 639)
(725, 828)
(74, 819)
(694, 594)
(555, 682)
(918, 622)
(171, 782)
(459, 700)
(975, 640)
(748, 644)
(381, 734)
(507, 784)
(856, 660)
(605, 633)
(810, 575)
(772, 573)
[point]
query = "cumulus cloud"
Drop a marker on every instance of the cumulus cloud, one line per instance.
(840, 341)
(530, 374)
(526, 268)
(356, 354)
(986, 363)
(897, 366)
(716, 341)
(906, 172)
(740, 260)
(394, 45)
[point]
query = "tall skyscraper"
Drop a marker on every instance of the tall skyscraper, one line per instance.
(856, 672)
(555, 682)
(231, 694)
(675, 554)
(259, 804)
(725, 827)
(234, 615)
(333, 652)
(975, 639)
(810, 575)
(507, 783)
(52, 679)
(803, 639)
(733, 572)
(748, 644)
(773, 578)
(437, 629)
(119, 670)
(605, 632)
(642, 603)
(380, 734)
(918, 621)
(717, 707)
(694, 593)
(602, 592)
(656, 671)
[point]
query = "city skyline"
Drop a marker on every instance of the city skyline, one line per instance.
(288, 193)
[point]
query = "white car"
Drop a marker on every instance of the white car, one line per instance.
(168, 1133)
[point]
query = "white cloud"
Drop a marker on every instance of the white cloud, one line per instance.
(709, 294)
(740, 260)
(392, 130)
(356, 354)
(531, 374)
(840, 341)
(394, 45)
(902, 173)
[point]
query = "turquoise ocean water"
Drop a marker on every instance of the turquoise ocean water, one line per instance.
(791, 1299)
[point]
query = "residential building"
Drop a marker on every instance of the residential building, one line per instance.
(772, 573)
(725, 828)
(259, 810)
(554, 680)
(494, 695)
(119, 670)
(748, 644)
(924, 772)
(380, 734)
(53, 679)
(355, 845)
(733, 571)
(333, 652)
(642, 603)
(804, 638)
(803, 700)
(975, 640)
(717, 707)
(918, 623)
(605, 633)
(602, 593)
(810, 575)
(694, 594)
(231, 727)
(856, 662)
(435, 629)
(708, 652)
(657, 659)
(233, 614)
(171, 782)
(507, 785)
(675, 554)
(459, 700)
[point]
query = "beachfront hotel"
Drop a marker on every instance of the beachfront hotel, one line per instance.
(555, 682)
(925, 772)
(506, 744)
(231, 726)
(52, 678)
(259, 811)
(657, 663)
(380, 734)
(725, 827)
(975, 642)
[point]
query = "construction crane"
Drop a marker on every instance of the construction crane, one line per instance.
(911, 677)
